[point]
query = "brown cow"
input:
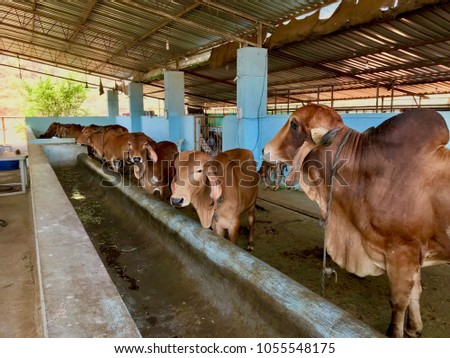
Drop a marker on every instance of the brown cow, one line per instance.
(116, 149)
(153, 164)
(69, 130)
(95, 136)
(51, 131)
(220, 190)
(390, 202)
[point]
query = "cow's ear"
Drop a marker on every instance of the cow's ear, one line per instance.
(151, 153)
(328, 138)
(214, 173)
(318, 133)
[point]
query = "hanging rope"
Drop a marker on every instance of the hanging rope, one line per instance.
(328, 271)
(20, 70)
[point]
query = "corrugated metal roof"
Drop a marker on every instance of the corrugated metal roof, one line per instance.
(123, 40)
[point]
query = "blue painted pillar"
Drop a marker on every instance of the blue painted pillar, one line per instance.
(174, 102)
(251, 96)
(174, 93)
(136, 93)
(112, 97)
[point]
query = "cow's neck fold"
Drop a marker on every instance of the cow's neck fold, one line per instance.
(204, 206)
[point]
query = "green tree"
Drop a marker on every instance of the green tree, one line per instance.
(54, 99)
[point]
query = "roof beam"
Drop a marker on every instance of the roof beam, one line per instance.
(65, 50)
(331, 70)
(225, 35)
(209, 78)
(199, 96)
(235, 12)
(33, 21)
(71, 66)
(77, 30)
(150, 32)
(90, 7)
(63, 20)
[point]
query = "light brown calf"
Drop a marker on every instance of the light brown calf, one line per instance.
(69, 130)
(221, 190)
(95, 136)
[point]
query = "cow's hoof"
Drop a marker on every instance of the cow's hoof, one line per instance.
(392, 332)
(413, 333)
(250, 248)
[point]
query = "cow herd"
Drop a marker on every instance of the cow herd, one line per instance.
(384, 194)
(221, 189)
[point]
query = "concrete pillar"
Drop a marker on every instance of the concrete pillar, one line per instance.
(136, 94)
(112, 97)
(252, 82)
(251, 96)
(174, 93)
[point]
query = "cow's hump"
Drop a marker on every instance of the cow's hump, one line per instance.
(418, 129)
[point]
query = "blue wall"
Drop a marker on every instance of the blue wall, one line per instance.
(156, 128)
(182, 127)
(446, 116)
(124, 121)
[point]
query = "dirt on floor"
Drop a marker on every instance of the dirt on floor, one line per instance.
(19, 316)
(293, 244)
(290, 242)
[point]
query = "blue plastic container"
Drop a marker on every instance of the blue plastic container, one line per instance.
(9, 165)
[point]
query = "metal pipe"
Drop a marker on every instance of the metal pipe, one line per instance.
(288, 100)
(378, 93)
(332, 96)
(392, 96)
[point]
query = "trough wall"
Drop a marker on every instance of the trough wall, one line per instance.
(77, 296)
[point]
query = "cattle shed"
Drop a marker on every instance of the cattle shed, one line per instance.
(244, 66)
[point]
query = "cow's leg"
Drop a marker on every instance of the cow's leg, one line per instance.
(266, 182)
(251, 226)
(402, 265)
(114, 166)
(162, 193)
(279, 176)
(414, 322)
(219, 230)
(233, 230)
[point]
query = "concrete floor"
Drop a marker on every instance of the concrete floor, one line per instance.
(18, 291)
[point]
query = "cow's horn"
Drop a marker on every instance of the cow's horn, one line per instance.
(318, 133)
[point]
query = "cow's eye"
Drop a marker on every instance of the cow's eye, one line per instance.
(294, 125)
(199, 171)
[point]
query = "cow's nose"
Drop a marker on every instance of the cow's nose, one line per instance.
(137, 159)
(176, 201)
